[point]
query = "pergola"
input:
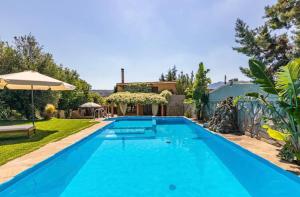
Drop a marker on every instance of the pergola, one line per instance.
(122, 99)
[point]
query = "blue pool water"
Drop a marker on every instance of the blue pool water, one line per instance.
(153, 157)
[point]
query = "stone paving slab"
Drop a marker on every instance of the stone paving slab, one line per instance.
(14, 167)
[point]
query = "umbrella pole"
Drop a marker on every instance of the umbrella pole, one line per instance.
(32, 105)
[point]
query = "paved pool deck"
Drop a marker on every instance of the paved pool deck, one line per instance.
(14, 167)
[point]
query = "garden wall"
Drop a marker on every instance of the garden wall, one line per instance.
(250, 117)
(175, 106)
(190, 110)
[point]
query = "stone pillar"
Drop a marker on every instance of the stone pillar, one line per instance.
(162, 110)
(141, 110)
(112, 109)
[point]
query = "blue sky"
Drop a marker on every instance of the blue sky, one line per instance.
(97, 38)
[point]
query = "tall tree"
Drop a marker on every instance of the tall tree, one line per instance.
(174, 73)
(162, 77)
(200, 89)
(265, 43)
(192, 77)
(183, 82)
(286, 15)
(171, 74)
(27, 54)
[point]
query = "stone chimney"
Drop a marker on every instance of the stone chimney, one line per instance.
(122, 75)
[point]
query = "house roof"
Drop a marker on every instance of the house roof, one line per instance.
(216, 85)
(240, 88)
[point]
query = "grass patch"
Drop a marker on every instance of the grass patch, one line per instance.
(16, 145)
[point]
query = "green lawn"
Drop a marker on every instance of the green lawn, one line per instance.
(13, 146)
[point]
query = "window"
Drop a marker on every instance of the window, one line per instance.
(154, 89)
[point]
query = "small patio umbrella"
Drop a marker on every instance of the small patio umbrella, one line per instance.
(31, 80)
(90, 105)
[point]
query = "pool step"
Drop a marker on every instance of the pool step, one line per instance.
(108, 137)
(128, 133)
(131, 128)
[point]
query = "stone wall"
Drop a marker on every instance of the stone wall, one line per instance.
(224, 119)
(175, 107)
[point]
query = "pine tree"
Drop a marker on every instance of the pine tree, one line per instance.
(162, 77)
(192, 77)
(183, 80)
(286, 15)
(182, 83)
(174, 73)
(264, 43)
(171, 74)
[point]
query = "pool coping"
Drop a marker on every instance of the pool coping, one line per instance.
(21, 165)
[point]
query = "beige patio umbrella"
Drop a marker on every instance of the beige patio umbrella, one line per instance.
(31, 80)
(90, 105)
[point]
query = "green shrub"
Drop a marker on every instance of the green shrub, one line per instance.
(49, 111)
(166, 94)
(189, 101)
(286, 153)
(9, 114)
(188, 114)
(95, 98)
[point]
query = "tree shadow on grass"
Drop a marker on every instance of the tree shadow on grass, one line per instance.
(10, 139)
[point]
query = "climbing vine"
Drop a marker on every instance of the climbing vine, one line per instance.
(136, 98)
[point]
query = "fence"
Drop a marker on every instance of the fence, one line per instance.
(250, 117)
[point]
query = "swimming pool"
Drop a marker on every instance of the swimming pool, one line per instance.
(153, 156)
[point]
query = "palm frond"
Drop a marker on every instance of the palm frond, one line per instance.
(261, 76)
(253, 94)
(277, 135)
(288, 80)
